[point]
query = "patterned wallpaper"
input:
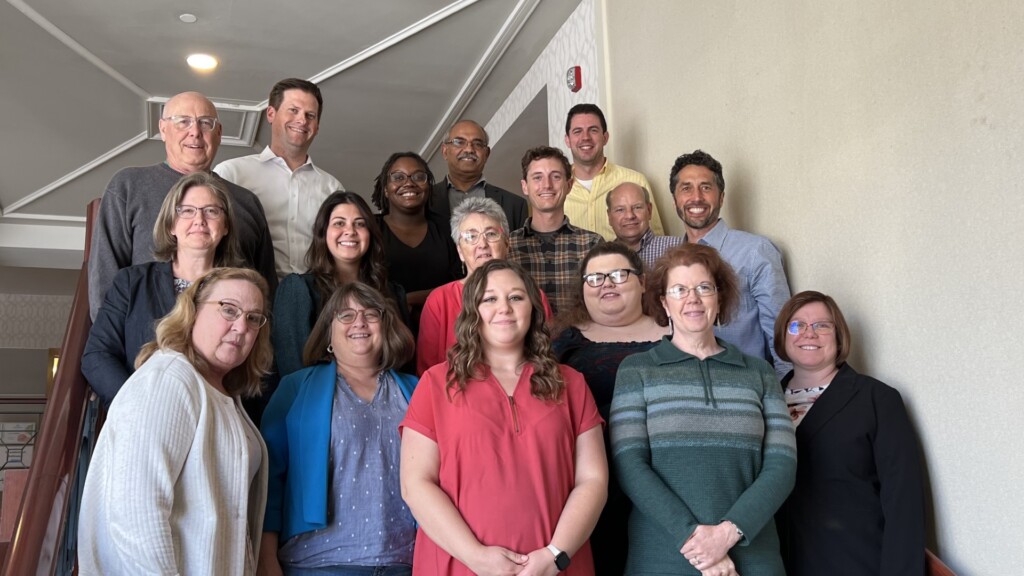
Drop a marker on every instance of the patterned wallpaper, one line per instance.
(30, 321)
(573, 45)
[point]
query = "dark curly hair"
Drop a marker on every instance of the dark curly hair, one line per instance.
(380, 183)
(696, 158)
(466, 357)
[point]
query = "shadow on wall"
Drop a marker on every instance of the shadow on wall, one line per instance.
(504, 167)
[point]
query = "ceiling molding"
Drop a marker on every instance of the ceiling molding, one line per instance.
(508, 32)
(10, 211)
(397, 37)
(244, 116)
(75, 47)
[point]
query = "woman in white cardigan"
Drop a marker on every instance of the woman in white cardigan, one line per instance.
(179, 478)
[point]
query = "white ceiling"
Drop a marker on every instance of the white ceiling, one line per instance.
(82, 83)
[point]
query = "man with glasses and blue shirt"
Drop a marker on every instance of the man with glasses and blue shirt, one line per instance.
(698, 189)
(465, 148)
(283, 175)
(123, 234)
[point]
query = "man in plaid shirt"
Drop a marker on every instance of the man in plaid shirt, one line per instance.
(548, 246)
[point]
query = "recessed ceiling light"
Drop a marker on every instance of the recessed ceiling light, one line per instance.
(188, 18)
(202, 62)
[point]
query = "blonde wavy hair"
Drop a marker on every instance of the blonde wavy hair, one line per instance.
(174, 332)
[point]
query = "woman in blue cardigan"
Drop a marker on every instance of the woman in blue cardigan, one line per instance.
(333, 499)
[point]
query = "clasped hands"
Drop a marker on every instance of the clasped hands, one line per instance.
(498, 561)
(707, 549)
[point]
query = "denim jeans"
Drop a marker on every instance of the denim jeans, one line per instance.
(392, 570)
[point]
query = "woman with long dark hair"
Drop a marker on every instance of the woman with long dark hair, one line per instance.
(347, 247)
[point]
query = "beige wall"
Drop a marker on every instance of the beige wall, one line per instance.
(881, 145)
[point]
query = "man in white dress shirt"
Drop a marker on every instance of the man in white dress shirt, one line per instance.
(283, 176)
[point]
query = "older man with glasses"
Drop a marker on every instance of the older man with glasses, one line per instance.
(465, 147)
(123, 235)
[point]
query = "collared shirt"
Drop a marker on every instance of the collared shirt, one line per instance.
(590, 209)
(456, 196)
(290, 199)
(653, 246)
(553, 258)
(763, 291)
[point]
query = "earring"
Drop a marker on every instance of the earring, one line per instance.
(330, 348)
(718, 320)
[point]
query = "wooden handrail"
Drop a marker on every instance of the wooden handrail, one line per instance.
(936, 567)
(43, 514)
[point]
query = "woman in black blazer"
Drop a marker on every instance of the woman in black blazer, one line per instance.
(858, 505)
(194, 232)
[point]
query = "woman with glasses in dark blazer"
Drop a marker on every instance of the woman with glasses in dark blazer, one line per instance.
(858, 504)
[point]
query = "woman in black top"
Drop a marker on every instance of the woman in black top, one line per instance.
(605, 324)
(420, 253)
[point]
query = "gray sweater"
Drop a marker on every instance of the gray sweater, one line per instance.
(123, 235)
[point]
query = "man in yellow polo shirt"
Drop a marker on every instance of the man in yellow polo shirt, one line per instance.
(594, 176)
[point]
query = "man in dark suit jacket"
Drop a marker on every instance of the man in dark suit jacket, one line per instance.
(466, 149)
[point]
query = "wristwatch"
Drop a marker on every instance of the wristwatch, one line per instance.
(561, 558)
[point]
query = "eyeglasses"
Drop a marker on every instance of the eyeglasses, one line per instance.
(462, 142)
(797, 327)
(206, 123)
(472, 237)
(209, 212)
(678, 292)
(232, 312)
(348, 315)
(596, 279)
(401, 177)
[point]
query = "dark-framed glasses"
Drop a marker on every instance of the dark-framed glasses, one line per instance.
(401, 177)
(596, 279)
(210, 212)
(797, 327)
(232, 312)
(678, 292)
(206, 123)
(472, 237)
(349, 315)
(462, 143)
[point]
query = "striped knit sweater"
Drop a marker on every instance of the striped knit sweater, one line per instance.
(699, 442)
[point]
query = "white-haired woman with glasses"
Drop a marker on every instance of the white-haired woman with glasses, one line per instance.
(480, 231)
(858, 505)
(701, 439)
(194, 232)
(178, 482)
(420, 255)
(334, 504)
(605, 324)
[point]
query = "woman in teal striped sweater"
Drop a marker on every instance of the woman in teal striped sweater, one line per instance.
(701, 439)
